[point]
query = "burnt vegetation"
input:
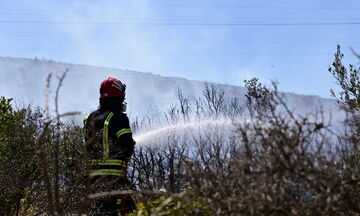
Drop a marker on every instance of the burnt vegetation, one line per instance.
(218, 156)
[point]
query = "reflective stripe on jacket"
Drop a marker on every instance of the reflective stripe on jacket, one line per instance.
(107, 165)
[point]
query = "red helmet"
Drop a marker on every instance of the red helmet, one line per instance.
(112, 87)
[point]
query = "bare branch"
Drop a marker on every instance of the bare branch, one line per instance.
(354, 53)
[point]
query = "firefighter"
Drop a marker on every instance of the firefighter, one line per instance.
(109, 145)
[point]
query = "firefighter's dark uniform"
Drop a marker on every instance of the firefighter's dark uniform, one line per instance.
(110, 145)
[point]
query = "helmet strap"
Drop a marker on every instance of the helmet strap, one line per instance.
(123, 107)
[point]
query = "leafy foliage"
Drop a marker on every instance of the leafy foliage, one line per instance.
(19, 173)
(168, 206)
(349, 82)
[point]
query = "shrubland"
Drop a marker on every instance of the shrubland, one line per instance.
(213, 155)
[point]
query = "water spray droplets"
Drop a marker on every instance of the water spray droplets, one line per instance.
(192, 127)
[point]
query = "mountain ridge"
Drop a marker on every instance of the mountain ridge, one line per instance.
(146, 92)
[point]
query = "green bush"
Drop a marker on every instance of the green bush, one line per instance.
(19, 171)
(170, 206)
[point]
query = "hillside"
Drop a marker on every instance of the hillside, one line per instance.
(24, 80)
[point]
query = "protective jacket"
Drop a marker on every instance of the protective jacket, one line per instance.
(109, 141)
(109, 145)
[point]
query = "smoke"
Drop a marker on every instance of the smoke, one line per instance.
(159, 49)
(167, 50)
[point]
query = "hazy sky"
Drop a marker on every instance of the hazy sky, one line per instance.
(227, 41)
